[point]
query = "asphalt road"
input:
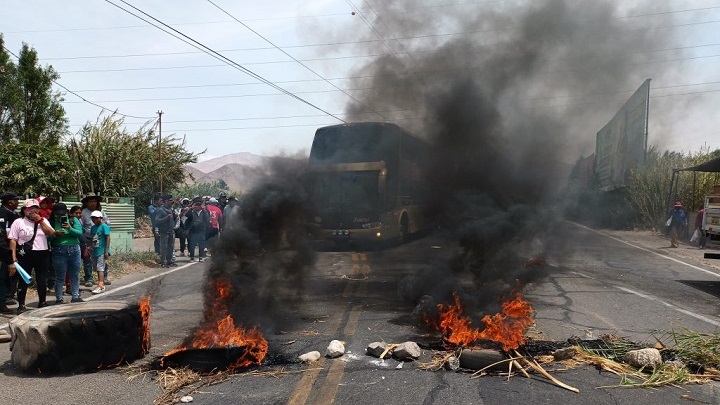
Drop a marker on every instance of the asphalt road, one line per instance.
(597, 285)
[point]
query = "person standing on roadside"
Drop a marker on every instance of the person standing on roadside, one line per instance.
(699, 229)
(197, 223)
(90, 204)
(222, 200)
(100, 232)
(180, 231)
(45, 211)
(66, 252)
(157, 202)
(216, 220)
(8, 277)
(231, 213)
(678, 221)
(165, 224)
(29, 247)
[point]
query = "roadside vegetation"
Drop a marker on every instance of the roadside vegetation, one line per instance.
(40, 155)
(645, 201)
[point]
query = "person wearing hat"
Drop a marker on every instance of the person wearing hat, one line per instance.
(678, 220)
(216, 219)
(29, 246)
(66, 258)
(197, 223)
(100, 233)
(8, 279)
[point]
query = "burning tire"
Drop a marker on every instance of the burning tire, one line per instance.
(79, 337)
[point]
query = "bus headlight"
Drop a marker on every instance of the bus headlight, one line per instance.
(371, 225)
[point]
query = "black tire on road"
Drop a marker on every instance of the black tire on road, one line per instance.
(78, 337)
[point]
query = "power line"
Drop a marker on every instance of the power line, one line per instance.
(214, 97)
(599, 102)
(415, 110)
(81, 97)
(378, 55)
(198, 45)
(624, 99)
(244, 128)
(293, 58)
(185, 23)
(404, 8)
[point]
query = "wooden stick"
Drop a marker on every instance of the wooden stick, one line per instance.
(547, 375)
(519, 367)
(390, 347)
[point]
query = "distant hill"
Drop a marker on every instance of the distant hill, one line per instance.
(237, 177)
(241, 158)
(240, 171)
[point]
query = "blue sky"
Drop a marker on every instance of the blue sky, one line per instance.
(119, 61)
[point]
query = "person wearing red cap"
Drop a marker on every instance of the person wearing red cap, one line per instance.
(678, 220)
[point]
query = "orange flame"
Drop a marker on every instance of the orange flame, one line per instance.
(144, 304)
(505, 328)
(218, 330)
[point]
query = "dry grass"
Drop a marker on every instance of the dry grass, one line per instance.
(178, 383)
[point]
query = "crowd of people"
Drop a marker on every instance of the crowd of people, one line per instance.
(51, 241)
(47, 239)
(196, 223)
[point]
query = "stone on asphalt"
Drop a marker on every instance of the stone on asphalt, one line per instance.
(566, 353)
(186, 399)
(310, 356)
(452, 364)
(4, 336)
(376, 349)
(407, 351)
(335, 349)
(644, 358)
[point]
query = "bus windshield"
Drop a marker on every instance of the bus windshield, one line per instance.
(347, 189)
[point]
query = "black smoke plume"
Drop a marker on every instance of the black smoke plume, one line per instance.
(264, 252)
(492, 91)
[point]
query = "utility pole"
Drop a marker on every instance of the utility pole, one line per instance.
(160, 113)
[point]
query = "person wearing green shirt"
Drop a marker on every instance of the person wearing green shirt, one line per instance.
(66, 252)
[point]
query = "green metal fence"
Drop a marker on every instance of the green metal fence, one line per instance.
(121, 213)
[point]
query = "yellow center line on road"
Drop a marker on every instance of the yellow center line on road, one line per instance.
(304, 386)
(329, 388)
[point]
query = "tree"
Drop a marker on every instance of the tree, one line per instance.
(202, 189)
(30, 111)
(35, 169)
(113, 162)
